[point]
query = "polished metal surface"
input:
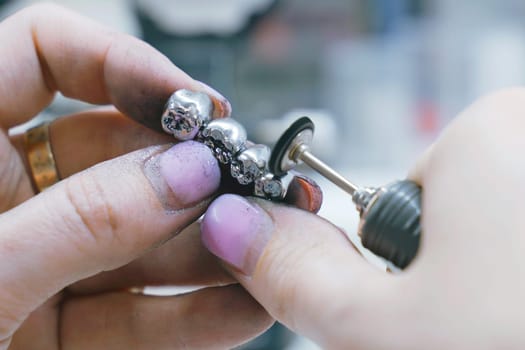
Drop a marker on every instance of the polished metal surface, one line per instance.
(269, 186)
(323, 169)
(369, 198)
(299, 151)
(363, 197)
(250, 164)
(185, 113)
(291, 161)
(188, 116)
(226, 137)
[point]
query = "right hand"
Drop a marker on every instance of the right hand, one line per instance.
(465, 288)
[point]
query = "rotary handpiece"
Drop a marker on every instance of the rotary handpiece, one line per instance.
(389, 215)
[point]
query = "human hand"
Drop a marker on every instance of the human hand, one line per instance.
(69, 255)
(465, 288)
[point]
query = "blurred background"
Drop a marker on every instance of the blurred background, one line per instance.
(380, 78)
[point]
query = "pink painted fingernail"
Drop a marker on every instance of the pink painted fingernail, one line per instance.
(221, 106)
(191, 172)
(236, 231)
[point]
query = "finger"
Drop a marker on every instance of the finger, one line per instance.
(302, 269)
(84, 139)
(46, 48)
(39, 330)
(15, 185)
(214, 318)
(183, 261)
(78, 142)
(417, 171)
(477, 165)
(101, 219)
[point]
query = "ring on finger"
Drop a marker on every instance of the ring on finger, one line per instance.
(40, 157)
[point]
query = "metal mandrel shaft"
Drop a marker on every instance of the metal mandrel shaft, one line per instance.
(315, 163)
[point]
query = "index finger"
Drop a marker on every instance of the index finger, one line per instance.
(46, 48)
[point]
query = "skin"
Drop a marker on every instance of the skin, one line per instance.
(71, 255)
(465, 288)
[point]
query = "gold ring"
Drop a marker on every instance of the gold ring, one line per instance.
(40, 157)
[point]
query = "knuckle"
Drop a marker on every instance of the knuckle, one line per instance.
(287, 270)
(91, 211)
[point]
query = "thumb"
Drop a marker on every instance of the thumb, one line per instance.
(100, 219)
(301, 268)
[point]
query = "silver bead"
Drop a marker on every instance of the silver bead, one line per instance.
(250, 164)
(186, 112)
(225, 137)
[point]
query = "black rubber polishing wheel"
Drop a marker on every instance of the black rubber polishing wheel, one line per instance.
(285, 141)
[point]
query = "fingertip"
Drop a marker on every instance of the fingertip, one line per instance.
(140, 79)
(221, 106)
(237, 231)
(305, 262)
(190, 171)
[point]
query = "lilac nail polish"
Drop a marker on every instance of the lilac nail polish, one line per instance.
(236, 231)
(191, 172)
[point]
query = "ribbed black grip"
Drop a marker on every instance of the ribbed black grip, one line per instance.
(392, 224)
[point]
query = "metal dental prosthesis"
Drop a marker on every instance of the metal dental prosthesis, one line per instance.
(187, 116)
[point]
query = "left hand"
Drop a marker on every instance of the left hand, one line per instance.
(69, 255)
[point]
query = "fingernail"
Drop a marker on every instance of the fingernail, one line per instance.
(236, 231)
(221, 106)
(190, 171)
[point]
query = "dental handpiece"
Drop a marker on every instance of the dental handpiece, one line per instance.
(389, 223)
